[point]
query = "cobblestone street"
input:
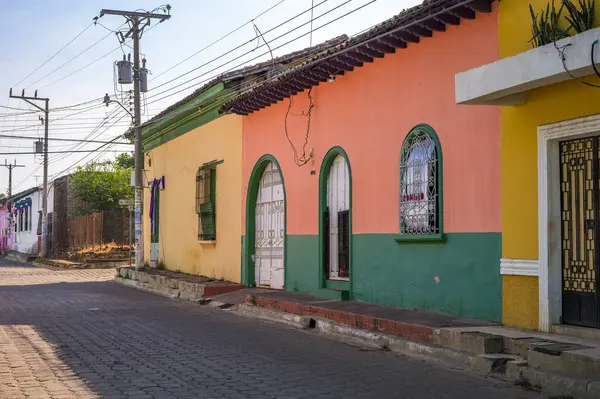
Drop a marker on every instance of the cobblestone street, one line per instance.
(75, 334)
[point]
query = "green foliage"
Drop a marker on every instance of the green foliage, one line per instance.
(161, 265)
(582, 18)
(99, 186)
(545, 27)
(125, 161)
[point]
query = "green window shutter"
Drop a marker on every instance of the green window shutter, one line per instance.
(206, 199)
(207, 216)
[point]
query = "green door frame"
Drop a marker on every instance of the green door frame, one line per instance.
(323, 175)
(248, 276)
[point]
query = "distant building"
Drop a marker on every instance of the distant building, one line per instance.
(25, 233)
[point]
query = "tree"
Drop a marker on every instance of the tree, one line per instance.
(125, 160)
(99, 186)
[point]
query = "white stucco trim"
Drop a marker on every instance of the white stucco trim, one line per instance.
(519, 267)
(505, 81)
(549, 232)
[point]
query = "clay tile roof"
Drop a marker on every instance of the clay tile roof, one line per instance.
(247, 71)
(408, 27)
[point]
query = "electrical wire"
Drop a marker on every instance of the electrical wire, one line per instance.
(254, 58)
(55, 54)
(561, 54)
(217, 41)
(243, 44)
(594, 58)
(74, 58)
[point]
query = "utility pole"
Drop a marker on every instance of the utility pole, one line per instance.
(10, 169)
(137, 22)
(46, 110)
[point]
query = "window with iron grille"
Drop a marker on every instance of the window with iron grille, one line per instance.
(420, 183)
(205, 203)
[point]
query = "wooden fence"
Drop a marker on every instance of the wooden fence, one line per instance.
(97, 229)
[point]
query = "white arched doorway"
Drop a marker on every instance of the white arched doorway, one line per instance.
(337, 221)
(270, 229)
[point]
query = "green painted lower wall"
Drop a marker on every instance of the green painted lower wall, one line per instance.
(459, 277)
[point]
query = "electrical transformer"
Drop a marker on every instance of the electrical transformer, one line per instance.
(125, 71)
(143, 77)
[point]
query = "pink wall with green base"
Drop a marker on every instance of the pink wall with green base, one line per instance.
(368, 112)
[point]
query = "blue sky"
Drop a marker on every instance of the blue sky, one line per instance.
(33, 30)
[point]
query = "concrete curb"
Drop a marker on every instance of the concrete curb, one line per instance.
(142, 287)
(172, 293)
(173, 287)
(506, 367)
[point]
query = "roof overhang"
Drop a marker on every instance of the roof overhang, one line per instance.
(23, 194)
(506, 81)
(407, 28)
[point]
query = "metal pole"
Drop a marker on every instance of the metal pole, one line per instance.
(130, 229)
(134, 19)
(44, 251)
(139, 159)
(10, 168)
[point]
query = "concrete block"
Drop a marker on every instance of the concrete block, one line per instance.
(552, 384)
(470, 341)
(520, 346)
(571, 364)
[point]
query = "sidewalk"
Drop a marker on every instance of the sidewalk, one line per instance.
(411, 324)
(553, 363)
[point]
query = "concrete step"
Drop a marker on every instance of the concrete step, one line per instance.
(577, 332)
(472, 341)
(565, 358)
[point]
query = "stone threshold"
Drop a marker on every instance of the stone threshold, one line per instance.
(174, 284)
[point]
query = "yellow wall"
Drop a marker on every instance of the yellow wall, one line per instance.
(550, 104)
(178, 160)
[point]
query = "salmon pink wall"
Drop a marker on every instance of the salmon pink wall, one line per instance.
(369, 111)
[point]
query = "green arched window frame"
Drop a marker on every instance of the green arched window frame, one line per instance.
(434, 230)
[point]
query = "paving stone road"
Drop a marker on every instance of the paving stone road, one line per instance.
(75, 334)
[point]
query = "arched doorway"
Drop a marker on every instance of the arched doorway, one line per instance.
(269, 229)
(337, 221)
(335, 225)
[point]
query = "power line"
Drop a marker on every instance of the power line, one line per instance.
(92, 135)
(74, 58)
(245, 43)
(72, 165)
(268, 52)
(218, 40)
(57, 139)
(55, 54)
(56, 152)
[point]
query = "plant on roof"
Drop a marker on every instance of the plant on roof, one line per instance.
(545, 27)
(582, 18)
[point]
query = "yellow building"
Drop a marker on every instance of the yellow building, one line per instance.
(550, 104)
(193, 165)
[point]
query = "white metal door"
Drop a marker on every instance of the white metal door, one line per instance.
(338, 199)
(269, 235)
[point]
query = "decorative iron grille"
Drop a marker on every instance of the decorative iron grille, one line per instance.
(419, 197)
(578, 186)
